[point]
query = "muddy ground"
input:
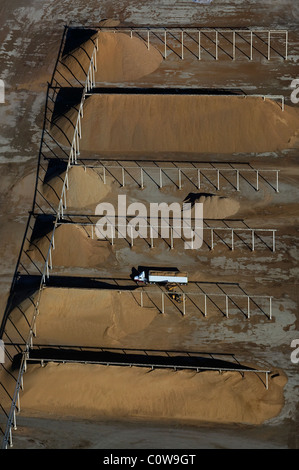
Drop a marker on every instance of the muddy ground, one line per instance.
(30, 38)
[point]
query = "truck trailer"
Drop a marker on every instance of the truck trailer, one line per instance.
(161, 277)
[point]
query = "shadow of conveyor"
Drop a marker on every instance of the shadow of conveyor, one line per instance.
(30, 282)
(22, 291)
(43, 227)
(66, 99)
(75, 37)
(55, 168)
(118, 357)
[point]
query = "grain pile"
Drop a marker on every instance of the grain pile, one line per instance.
(86, 188)
(100, 392)
(74, 246)
(88, 317)
(204, 124)
(120, 58)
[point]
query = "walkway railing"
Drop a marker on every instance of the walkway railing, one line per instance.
(185, 33)
(156, 231)
(156, 366)
(183, 295)
(162, 172)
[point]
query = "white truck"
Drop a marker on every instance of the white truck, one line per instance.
(161, 277)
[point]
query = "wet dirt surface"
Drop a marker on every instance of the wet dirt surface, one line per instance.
(30, 36)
